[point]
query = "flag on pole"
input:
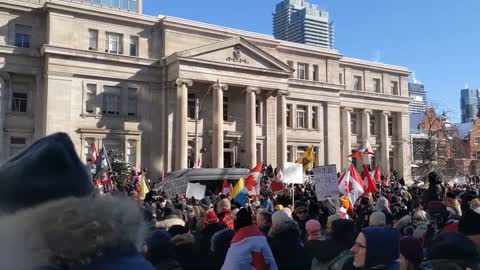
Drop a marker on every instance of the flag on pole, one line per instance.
(102, 163)
(227, 188)
(94, 154)
(376, 174)
(239, 192)
(143, 187)
(365, 150)
(370, 186)
(351, 184)
(277, 183)
(307, 159)
(253, 178)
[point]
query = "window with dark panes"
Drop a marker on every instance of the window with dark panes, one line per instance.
(19, 102)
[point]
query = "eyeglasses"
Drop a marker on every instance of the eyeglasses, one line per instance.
(358, 245)
(301, 212)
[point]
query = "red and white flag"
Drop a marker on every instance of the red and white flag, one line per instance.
(227, 188)
(94, 154)
(351, 184)
(252, 180)
(376, 174)
(277, 183)
(370, 186)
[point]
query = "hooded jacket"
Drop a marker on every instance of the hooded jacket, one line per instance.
(90, 233)
(379, 254)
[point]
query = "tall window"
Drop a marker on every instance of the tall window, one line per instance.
(300, 151)
(225, 108)
(290, 153)
(373, 130)
(302, 71)
(395, 88)
(340, 78)
(131, 152)
(124, 4)
(117, 145)
(192, 100)
(390, 126)
(111, 101)
(357, 83)
(133, 5)
(114, 43)
(289, 115)
(16, 145)
(23, 35)
(132, 102)
(133, 46)
(376, 85)
(353, 122)
(19, 102)
(301, 116)
(115, 3)
(90, 97)
(314, 117)
(315, 72)
(92, 39)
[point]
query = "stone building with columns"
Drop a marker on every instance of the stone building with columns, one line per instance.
(108, 75)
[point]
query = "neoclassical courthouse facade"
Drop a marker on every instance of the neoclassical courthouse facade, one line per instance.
(105, 74)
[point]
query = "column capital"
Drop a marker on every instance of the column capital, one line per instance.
(180, 82)
(281, 93)
(220, 86)
(386, 113)
(251, 89)
(347, 109)
(367, 111)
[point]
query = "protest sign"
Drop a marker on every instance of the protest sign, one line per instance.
(326, 182)
(293, 173)
(196, 191)
(177, 186)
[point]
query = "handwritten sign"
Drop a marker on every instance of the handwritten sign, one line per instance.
(293, 173)
(326, 182)
(175, 187)
(196, 191)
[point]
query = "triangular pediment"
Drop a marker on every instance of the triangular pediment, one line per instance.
(236, 51)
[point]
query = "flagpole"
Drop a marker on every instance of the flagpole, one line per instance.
(293, 197)
(106, 155)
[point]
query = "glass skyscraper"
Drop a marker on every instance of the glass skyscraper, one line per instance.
(302, 22)
(418, 96)
(469, 104)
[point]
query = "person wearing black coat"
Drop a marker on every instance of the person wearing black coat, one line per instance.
(284, 240)
(435, 191)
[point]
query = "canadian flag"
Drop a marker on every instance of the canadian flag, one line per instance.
(277, 183)
(370, 186)
(94, 154)
(376, 174)
(227, 188)
(351, 184)
(252, 179)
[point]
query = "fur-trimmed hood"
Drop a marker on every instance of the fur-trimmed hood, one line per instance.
(71, 233)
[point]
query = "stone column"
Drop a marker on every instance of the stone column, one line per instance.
(251, 126)
(181, 153)
(365, 132)
(217, 117)
(404, 164)
(385, 148)
(281, 128)
(2, 113)
(346, 137)
(333, 134)
(321, 145)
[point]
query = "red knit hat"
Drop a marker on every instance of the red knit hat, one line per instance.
(210, 217)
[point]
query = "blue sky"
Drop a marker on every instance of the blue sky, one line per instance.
(438, 40)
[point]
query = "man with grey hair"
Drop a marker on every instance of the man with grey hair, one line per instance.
(377, 218)
(264, 220)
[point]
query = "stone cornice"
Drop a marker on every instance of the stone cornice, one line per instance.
(375, 96)
(19, 5)
(105, 131)
(49, 49)
(363, 64)
(316, 84)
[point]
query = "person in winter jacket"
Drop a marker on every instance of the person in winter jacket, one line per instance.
(170, 218)
(411, 253)
(204, 237)
(249, 248)
(469, 226)
(371, 252)
(284, 240)
(51, 219)
(160, 251)
(301, 217)
(220, 245)
(332, 252)
(264, 221)
(224, 213)
(435, 191)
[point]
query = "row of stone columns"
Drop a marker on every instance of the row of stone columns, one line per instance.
(181, 139)
(365, 135)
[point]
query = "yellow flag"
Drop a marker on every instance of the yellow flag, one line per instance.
(143, 188)
(307, 159)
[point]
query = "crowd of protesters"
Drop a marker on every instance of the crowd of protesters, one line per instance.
(52, 218)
